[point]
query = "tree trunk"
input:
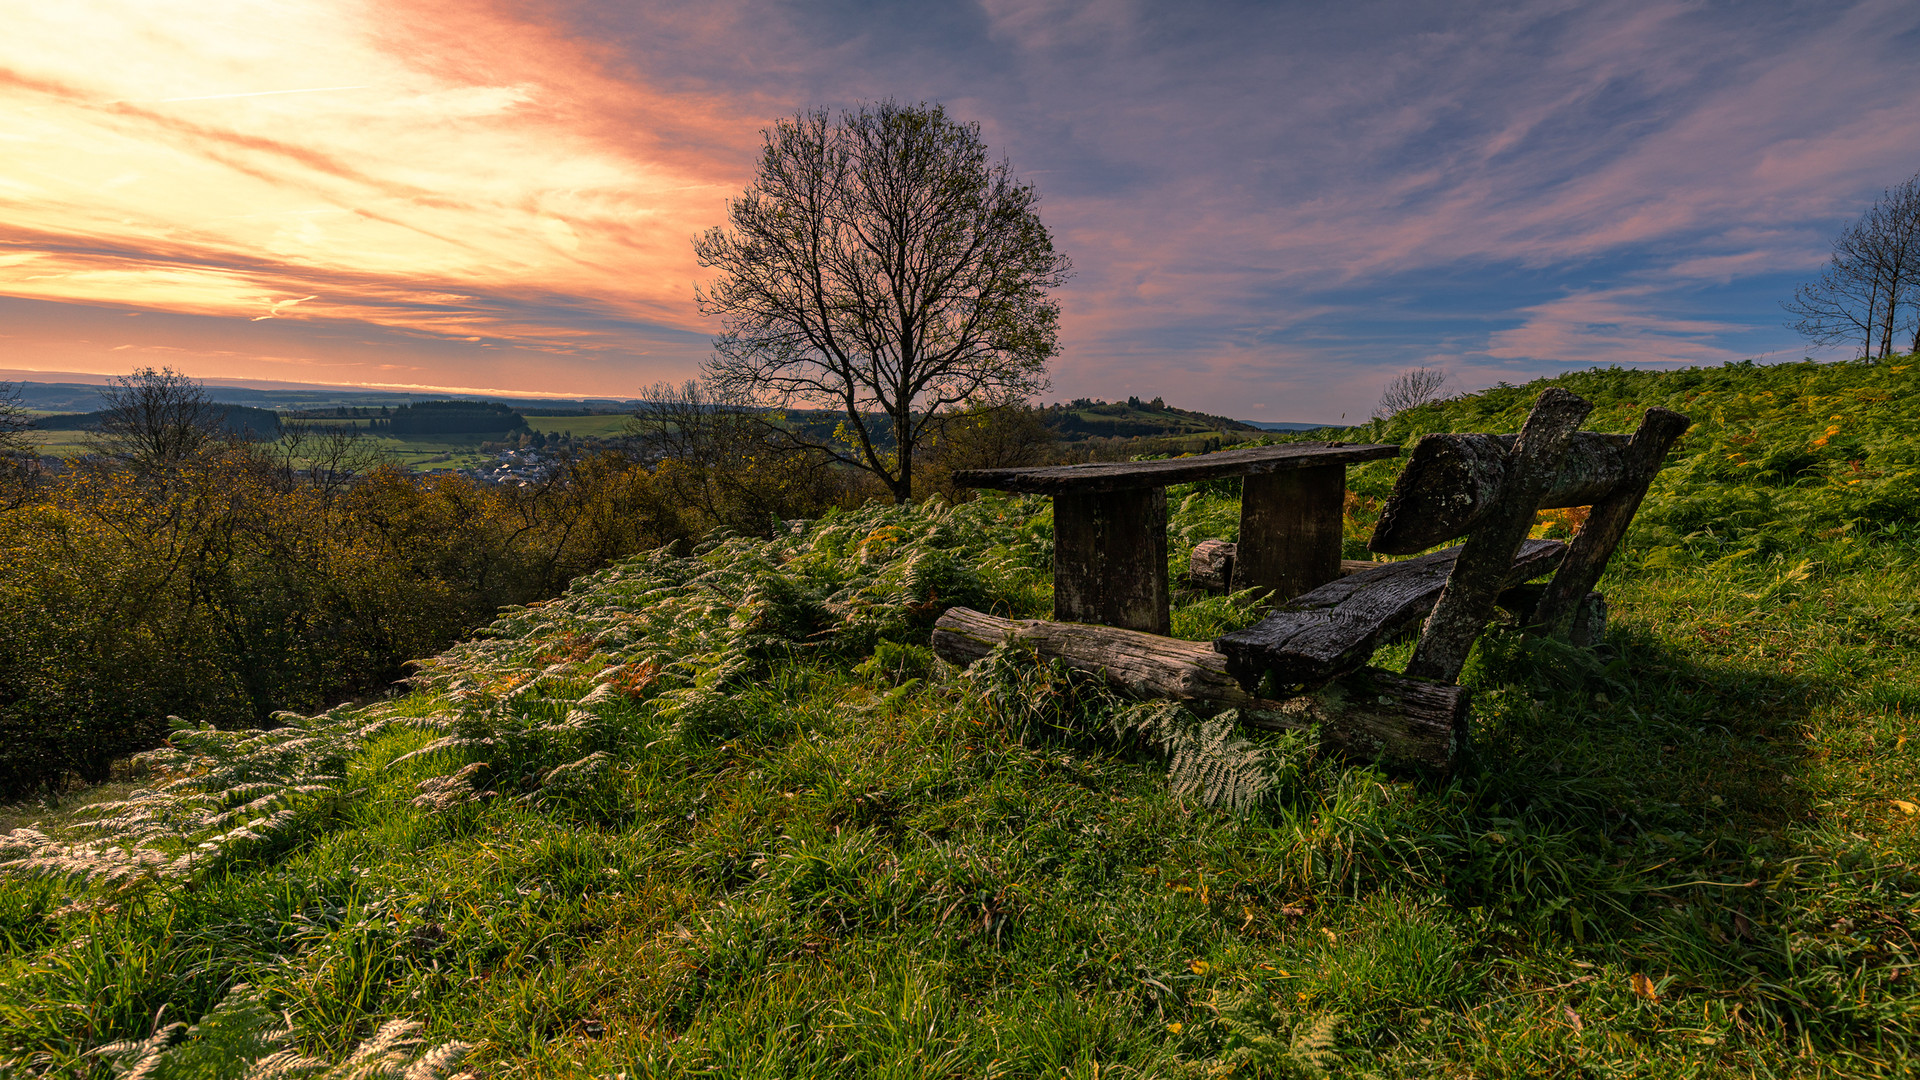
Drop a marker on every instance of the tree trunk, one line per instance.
(903, 451)
(1893, 311)
(1369, 715)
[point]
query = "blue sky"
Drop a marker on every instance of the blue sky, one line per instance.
(1272, 208)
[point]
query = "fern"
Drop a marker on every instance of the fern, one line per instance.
(1263, 1038)
(531, 700)
(1206, 758)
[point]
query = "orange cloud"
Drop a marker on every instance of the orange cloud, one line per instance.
(431, 167)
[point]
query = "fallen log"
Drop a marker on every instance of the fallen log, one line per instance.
(1369, 715)
(1141, 664)
(1374, 715)
(1211, 565)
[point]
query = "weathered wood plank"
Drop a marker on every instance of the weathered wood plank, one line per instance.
(1290, 530)
(1452, 481)
(1484, 565)
(1369, 715)
(1587, 628)
(1587, 558)
(1110, 559)
(1336, 628)
(1125, 475)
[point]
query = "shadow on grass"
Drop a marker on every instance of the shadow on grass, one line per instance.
(1681, 795)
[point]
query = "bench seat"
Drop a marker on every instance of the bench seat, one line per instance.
(1335, 628)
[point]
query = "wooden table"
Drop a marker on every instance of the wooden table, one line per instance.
(1110, 524)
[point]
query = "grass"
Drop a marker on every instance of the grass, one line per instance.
(417, 452)
(598, 425)
(724, 814)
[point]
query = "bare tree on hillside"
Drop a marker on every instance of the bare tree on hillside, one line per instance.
(155, 419)
(19, 459)
(881, 266)
(1869, 291)
(1411, 389)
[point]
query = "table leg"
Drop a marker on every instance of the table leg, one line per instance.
(1110, 559)
(1290, 530)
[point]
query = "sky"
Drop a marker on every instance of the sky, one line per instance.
(1271, 208)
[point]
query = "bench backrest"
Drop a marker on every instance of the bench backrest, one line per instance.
(1490, 488)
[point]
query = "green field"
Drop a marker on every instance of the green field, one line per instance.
(419, 453)
(724, 814)
(598, 426)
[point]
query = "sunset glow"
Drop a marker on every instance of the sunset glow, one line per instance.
(455, 195)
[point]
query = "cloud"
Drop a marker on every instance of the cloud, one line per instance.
(400, 185)
(1611, 327)
(1259, 198)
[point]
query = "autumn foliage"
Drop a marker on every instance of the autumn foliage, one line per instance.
(240, 580)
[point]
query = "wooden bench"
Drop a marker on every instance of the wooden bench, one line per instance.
(1110, 524)
(1489, 489)
(1306, 662)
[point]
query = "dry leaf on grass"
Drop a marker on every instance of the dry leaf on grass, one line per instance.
(1643, 986)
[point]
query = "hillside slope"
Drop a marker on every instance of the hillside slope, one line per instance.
(723, 813)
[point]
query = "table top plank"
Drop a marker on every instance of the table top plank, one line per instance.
(1099, 476)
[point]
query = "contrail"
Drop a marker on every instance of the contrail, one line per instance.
(264, 93)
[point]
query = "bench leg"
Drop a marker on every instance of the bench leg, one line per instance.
(1290, 530)
(1486, 559)
(1110, 559)
(1607, 522)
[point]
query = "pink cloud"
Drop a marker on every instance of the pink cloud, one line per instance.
(1611, 327)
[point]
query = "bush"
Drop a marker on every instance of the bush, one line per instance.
(239, 581)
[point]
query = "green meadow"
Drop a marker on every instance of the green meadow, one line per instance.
(416, 452)
(723, 813)
(597, 425)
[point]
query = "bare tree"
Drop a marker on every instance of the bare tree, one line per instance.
(1411, 389)
(330, 459)
(158, 418)
(880, 266)
(19, 458)
(1869, 290)
(14, 421)
(727, 460)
